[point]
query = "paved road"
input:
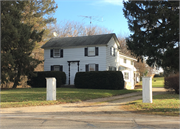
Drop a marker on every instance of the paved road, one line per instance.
(99, 113)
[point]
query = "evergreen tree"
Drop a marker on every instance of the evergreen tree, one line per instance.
(17, 42)
(38, 13)
(155, 28)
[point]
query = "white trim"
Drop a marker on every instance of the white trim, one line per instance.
(127, 57)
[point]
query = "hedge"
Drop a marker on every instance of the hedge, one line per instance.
(100, 80)
(172, 82)
(39, 80)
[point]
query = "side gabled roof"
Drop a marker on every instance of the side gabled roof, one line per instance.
(66, 42)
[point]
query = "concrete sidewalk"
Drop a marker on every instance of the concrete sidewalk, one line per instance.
(97, 113)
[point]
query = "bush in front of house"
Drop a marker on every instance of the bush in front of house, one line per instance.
(99, 80)
(39, 80)
(172, 83)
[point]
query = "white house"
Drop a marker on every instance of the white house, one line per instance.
(88, 53)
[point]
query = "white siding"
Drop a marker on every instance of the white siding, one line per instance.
(118, 60)
(112, 60)
(75, 54)
(130, 70)
(104, 59)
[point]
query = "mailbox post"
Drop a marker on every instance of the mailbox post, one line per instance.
(50, 89)
(147, 89)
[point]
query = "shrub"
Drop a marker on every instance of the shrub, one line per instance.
(159, 75)
(100, 80)
(39, 80)
(172, 82)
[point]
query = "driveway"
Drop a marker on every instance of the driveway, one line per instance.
(98, 113)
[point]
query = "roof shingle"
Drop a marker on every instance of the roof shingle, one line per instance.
(78, 41)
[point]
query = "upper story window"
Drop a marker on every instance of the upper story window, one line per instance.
(112, 51)
(125, 61)
(56, 53)
(91, 51)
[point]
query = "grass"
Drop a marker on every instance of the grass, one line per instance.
(37, 96)
(166, 104)
(156, 82)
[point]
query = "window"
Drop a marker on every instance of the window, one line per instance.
(92, 67)
(126, 75)
(132, 62)
(121, 68)
(125, 61)
(56, 68)
(91, 51)
(111, 68)
(112, 51)
(56, 53)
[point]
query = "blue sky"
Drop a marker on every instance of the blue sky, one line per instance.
(106, 13)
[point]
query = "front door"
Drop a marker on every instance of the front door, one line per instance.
(73, 71)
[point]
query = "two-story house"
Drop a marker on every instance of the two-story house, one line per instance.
(87, 53)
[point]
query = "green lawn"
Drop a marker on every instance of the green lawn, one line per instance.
(156, 82)
(166, 104)
(37, 96)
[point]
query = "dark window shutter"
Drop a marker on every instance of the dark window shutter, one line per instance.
(87, 68)
(97, 67)
(96, 51)
(61, 53)
(52, 68)
(111, 51)
(61, 68)
(51, 53)
(85, 51)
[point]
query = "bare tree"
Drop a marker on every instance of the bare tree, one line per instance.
(74, 29)
(142, 67)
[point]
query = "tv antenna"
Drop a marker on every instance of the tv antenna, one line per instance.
(92, 18)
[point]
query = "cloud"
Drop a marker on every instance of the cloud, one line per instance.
(107, 2)
(114, 2)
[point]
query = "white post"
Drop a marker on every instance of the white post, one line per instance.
(147, 89)
(50, 89)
